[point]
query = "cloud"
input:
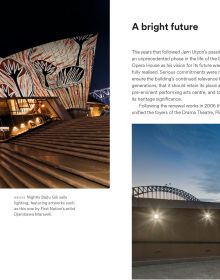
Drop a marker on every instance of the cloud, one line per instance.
(185, 153)
(190, 140)
(210, 178)
(199, 145)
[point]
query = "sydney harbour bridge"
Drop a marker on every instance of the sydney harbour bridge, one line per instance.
(162, 192)
(102, 95)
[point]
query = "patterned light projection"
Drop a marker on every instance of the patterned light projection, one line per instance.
(62, 68)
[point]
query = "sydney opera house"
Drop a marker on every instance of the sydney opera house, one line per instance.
(53, 134)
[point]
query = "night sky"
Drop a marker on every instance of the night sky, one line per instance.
(25, 26)
(187, 156)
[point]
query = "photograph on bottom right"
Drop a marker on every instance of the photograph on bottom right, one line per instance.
(176, 201)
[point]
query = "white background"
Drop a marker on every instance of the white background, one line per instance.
(95, 241)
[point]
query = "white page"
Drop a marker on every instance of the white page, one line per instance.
(94, 242)
(202, 39)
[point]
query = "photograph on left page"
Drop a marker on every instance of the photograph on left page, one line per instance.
(55, 111)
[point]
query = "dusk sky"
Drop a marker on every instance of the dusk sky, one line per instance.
(187, 156)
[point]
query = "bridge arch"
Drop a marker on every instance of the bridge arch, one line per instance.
(102, 95)
(158, 191)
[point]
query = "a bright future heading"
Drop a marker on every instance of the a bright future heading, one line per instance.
(166, 26)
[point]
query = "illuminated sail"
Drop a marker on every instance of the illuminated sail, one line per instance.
(62, 68)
